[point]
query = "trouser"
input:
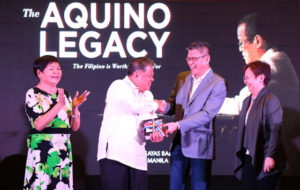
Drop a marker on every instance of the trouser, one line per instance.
(117, 176)
(251, 183)
(181, 166)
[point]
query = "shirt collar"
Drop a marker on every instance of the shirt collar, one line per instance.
(131, 84)
(267, 54)
(200, 78)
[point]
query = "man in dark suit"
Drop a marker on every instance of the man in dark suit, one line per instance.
(195, 100)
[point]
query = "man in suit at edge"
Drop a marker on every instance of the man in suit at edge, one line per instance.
(195, 100)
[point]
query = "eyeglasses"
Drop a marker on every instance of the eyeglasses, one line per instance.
(194, 58)
(242, 43)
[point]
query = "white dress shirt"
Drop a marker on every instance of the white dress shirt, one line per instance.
(196, 82)
(121, 137)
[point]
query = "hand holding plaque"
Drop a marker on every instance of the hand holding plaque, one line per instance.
(155, 125)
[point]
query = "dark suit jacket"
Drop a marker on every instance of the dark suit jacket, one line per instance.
(196, 115)
(262, 133)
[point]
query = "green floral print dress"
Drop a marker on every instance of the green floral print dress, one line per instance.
(49, 158)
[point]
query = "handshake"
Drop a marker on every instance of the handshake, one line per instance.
(161, 106)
